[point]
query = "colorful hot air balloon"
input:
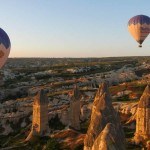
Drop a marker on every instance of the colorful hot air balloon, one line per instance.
(4, 47)
(139, 27)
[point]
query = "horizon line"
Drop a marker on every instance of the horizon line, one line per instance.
(81, 57)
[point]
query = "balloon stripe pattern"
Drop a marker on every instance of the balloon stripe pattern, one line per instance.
(4, 47)
(141, 19)
(139, 27)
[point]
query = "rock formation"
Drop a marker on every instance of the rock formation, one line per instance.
(143, 117)
(85, 113)
(40, 125)
(64, 117)
(108, 139)
(75, 97)
(102, 113)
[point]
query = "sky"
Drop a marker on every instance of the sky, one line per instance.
(72, 28)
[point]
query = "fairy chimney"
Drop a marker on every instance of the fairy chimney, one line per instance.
(143, 117)
(75, 97)
(40, 125)
(102, 114)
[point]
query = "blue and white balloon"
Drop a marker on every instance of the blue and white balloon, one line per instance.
(5, 46)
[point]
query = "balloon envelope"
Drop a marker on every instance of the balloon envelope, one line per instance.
(4, 47)
(139, 27)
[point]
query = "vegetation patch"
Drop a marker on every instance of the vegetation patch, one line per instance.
(55, 123)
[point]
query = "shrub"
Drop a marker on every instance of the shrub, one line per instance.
(55, 123)
(52, 144)
(79, 147)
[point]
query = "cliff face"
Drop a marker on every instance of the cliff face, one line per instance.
(143, 117)
(75, 108)
(102, 113)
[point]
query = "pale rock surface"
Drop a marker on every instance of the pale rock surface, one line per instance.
(55, 101)
(65, 117)
(7, 129)
(23, 124)
(85, 113)
(108, 139)
(127, 110)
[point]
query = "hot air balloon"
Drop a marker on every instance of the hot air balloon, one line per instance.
(139, 27)
(4, 47)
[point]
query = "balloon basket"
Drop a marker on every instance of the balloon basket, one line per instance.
(140, 46)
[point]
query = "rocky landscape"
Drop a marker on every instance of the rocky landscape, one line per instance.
(93, 107)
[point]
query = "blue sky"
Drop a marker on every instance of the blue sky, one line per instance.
(72, 28)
